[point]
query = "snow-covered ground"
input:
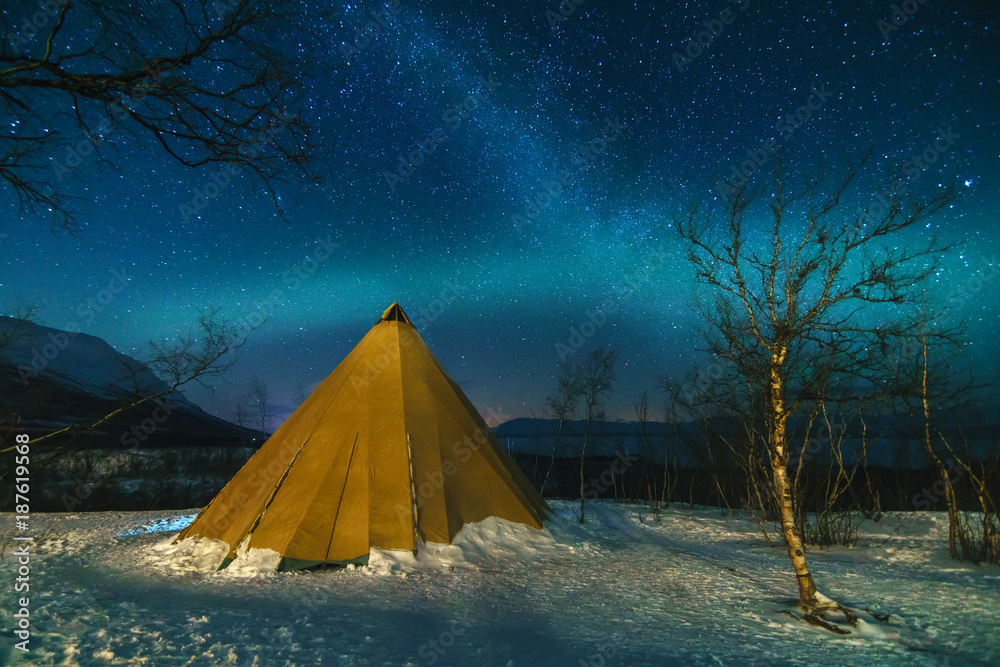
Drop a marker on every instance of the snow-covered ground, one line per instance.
(697, 588)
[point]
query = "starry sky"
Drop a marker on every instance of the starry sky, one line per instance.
(492, 104)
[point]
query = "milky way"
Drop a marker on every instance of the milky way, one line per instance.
(509, 173)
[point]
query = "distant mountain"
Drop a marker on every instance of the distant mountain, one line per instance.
(527, 427)
(51, 378)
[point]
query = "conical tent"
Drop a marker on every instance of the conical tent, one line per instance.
(386, 452)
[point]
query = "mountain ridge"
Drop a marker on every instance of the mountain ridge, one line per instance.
(51, 379)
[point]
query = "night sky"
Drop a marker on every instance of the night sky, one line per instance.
(500, 282)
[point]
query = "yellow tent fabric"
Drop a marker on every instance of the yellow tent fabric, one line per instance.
(386, 452)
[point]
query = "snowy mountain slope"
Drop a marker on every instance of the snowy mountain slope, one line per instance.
(697, 588)
(76, 361)
(51, 378)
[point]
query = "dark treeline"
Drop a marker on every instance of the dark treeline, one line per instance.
(635, 479)
(843, 469)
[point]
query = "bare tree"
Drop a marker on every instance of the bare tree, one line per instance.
(727, 413)
(834, 523)
(642, 410)
(198, 357)
(795, 309)
(561, 404)
(534, 443)
(300, 394)
(242, 415)
(597, 372)
(669, 482)
(971, 535)
(259, 396)
(18, 311)
(205, 82)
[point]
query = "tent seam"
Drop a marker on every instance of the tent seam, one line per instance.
(277, 488)
(347, 476)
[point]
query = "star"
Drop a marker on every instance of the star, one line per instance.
(508, 171)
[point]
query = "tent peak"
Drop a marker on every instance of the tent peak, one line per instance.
(341, 474)
(395, 313)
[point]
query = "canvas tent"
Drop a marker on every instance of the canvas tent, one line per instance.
(386, 452)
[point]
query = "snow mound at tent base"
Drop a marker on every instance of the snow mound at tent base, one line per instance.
(487, 542)
(205, 555)
(194, 554)
(250, 562)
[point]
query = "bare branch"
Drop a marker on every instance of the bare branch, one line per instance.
(207, 89)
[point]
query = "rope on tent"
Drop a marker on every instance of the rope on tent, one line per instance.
(347, 476)
(417, 537)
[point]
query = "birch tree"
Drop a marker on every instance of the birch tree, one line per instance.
(802, 296)
(939, 387)
(561, 405)
(260, 397)
(597, 372)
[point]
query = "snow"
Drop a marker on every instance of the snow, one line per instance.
(78, 360)
(698, 587)
(251, 562)
(197, 554)
(490, 542)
